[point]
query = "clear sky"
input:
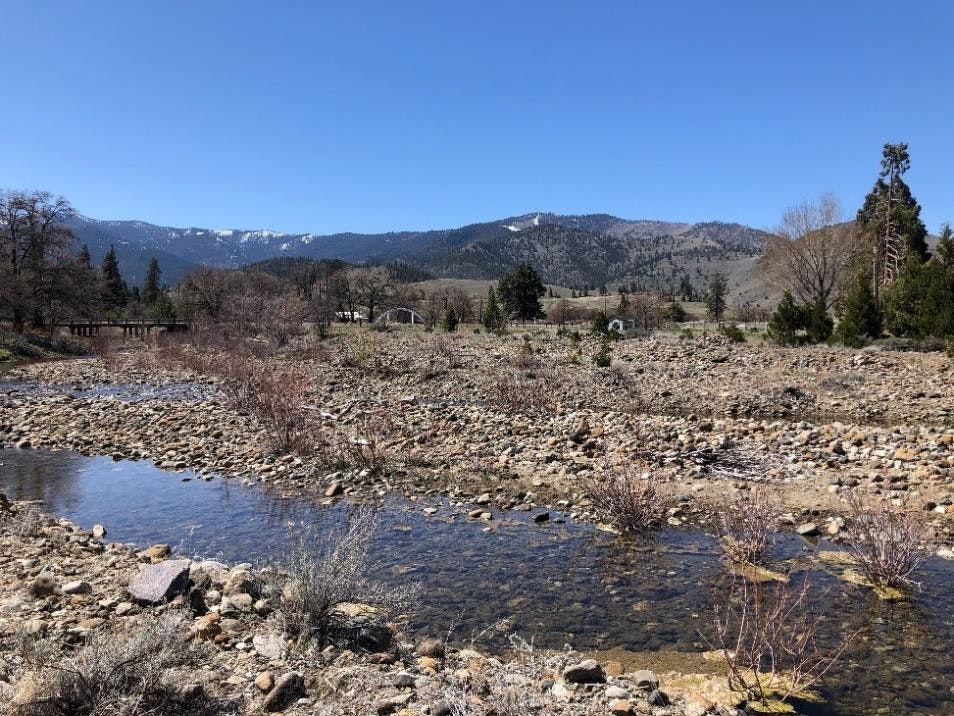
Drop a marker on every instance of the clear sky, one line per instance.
(369, 116)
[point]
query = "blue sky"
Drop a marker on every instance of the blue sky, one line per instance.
(369, 116)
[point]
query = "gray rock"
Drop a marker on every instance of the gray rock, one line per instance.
(156, 583)
(403, 680)
(271, 646)
(645, 680)
(587, 671)
(360, 626)
(77, 587)
(809, 529)
(289, 688)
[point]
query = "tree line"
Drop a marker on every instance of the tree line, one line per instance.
(873, 274)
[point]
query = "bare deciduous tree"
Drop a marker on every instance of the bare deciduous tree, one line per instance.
(811, 252)
(36, 264)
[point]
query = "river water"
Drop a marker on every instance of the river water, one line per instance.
(555, 583)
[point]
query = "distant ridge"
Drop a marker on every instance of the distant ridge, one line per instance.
(569, 250)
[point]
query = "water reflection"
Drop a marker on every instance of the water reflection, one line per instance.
(557, 583)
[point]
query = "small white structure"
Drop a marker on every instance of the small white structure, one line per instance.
(350, 317)
(623, 324)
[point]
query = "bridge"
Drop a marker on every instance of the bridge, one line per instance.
(131, 326)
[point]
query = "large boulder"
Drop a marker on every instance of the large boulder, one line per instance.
(360, 626)
(157, 583)
(587, 671)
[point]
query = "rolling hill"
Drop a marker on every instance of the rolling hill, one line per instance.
(577, 250)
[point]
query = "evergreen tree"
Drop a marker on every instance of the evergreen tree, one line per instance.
(789, 318)
(891, 216)
(493, 318)
(623, 305)
(945, 246)
(920, 302)
(603, 358)
(676, 313)
(818, 323)
(449, 320)
(600, 324)
(859, 314)
(520, 292)
(716, 298)
(113, 291)
(83, 259)
(162, 308)
(151, 288)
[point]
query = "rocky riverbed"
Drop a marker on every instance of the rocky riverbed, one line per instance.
(63, 585)
(700, 416)
(508, 423)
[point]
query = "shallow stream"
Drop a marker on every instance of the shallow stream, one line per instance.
(556, 583)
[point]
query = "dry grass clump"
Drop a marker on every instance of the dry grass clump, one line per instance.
(142, 673)
(327, 571)
(746, 524)
(629, 501)
(366, 447)
(765, 633)
(511, 688)
(522, 393)
(21, 520)
(890, 544)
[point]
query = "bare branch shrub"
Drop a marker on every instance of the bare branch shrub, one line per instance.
(766, 636)
(326, 571)
(504, 688)
(118, 674)
(746, 524)
(890, 544)
(276, 397)
(522, 393)
(626, 499)
(105, 349)
(366, 446)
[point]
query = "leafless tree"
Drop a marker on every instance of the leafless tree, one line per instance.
(647, 309)
(372, 287)
(811, 252)
(39, 275)
(562, 312)
(204, 293)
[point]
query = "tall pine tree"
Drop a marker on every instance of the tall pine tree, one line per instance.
(113, 290)
(151, 288)
(520, 292)
(493, 318)
(891, 217)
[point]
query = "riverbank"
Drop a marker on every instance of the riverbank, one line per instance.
(65, 586)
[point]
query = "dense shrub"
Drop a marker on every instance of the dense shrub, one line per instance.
(732, 332)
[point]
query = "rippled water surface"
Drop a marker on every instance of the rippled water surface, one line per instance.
(557, 583)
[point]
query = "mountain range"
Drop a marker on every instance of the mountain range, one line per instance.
(575, 251)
